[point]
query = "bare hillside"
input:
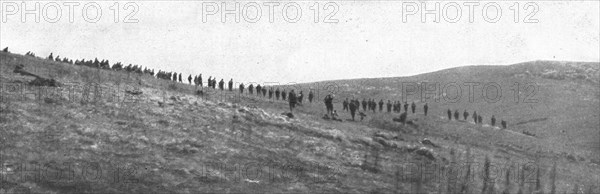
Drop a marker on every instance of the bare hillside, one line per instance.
(112, 132)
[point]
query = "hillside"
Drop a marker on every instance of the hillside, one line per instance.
(166, 137)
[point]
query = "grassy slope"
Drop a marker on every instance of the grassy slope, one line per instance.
(193, 144)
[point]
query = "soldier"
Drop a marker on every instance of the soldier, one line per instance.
(479, 119)
(353, 106)
(405, 106)
(345, 105)
(493, 120)
(465, 115)
(503, 123)
(456, 115)
(425, 108)
(258, 90)
(180, 78)
(311, 96)
(380, 105)
(300, 96)
(364, 104)
(241, 88)
(175, 77)
(283, 93)
(475, 117)
(328, 103)
(449, 114)
(389, 106)
(413, 106)
(277, 93)
(230, 84)
(251, 88)
(292, 100)
(403, 118)
(373, 105)
(190, 79)
(264, 92)
(214, 82)
(221, 83)
(270, 92)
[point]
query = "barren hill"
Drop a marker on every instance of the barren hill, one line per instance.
(138, 134)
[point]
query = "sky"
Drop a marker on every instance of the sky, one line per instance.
(351, 39)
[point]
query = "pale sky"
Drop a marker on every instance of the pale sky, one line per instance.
(370, 40)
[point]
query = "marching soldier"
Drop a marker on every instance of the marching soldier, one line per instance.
(221, 83)
(364, 104)
(493, 120)
(311, 96)
(475, 116)
(389, 106)
(277, 93)
(241, 88)
(449, 114)
(380, 105)
(503, 123)
(190, 79)
(465, 115)
(251, 88)
(270, 92)
(353, 106)
(292, 100)
(406, 107)
(456, 115)
(425, 108)
(413, 106)
(230, 84)
(283, 94)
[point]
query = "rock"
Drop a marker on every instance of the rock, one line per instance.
(289, 115)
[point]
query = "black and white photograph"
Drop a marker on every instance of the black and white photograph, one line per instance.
(300, 96)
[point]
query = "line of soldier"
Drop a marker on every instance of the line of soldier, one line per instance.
(477, 118)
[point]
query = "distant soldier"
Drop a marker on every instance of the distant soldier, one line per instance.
(403, 118)
(251, 88)
(475, 116)
(503, 123)
(479, 119)
(270, 92)
(405, 106)
(465, 115)
(292, 100)
(300, 96)
(362, 115)
(449, 114)
(180, 80)
(214, 82)
(425, 108)
(241, 88)
(364, 104)
(196, 80)
(328, 103)
(389, 106)
(413, 106)
(345, 105)
(283, 94)
(258, 90)
(230, 84)
(493, 121)
(373, 105)
(277, 93)
(456, 115)
(190, 79)
(221, 83)
(353, 106)
(264, 92)
(175, 77)
(380, 105)
(311, 95)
